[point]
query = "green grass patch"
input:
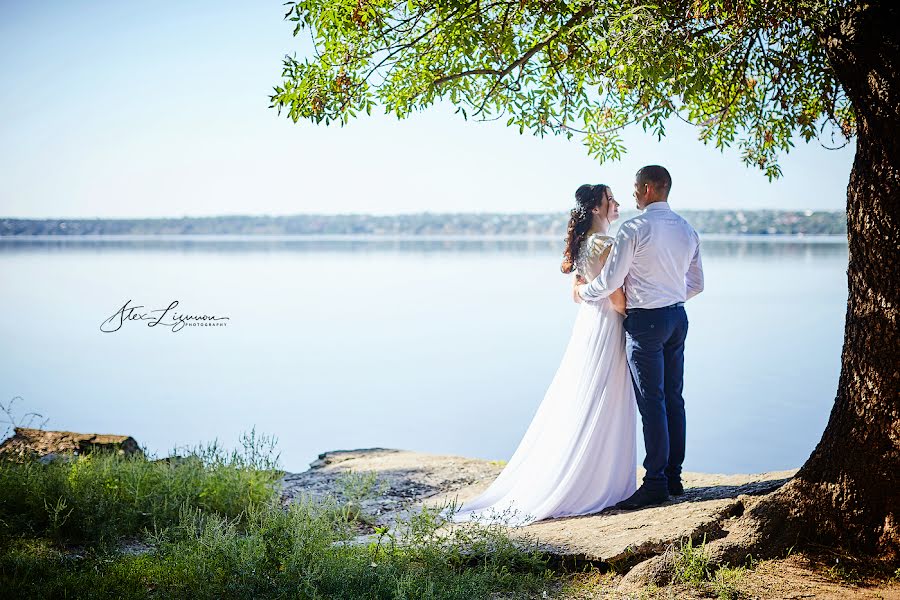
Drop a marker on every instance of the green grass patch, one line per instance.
(102, 497)
(213, 526)
(692, 567)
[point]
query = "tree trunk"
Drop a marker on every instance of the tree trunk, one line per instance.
(848, 491)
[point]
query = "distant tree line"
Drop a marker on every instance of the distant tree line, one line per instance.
(749, 222)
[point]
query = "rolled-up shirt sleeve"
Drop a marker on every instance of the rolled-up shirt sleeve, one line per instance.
(693, 279)
(612, 275)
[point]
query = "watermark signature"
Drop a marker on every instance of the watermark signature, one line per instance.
(177, 321)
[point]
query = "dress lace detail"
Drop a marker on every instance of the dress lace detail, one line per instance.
(592, 255)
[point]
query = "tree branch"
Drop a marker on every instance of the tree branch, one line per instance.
(585, 10)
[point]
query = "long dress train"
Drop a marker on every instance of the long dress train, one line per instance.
(579, 453)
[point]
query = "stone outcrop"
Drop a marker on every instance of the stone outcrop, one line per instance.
(47, 445)
(411, 480)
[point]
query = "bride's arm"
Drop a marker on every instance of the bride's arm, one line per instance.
(617, 299)
(578, 280)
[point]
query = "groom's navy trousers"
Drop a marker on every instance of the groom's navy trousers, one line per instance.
(654, 341)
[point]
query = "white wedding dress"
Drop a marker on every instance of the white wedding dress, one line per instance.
(579, 453)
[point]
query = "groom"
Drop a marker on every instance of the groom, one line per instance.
(656, 255)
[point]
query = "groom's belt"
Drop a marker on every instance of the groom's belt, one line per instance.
(676, 305)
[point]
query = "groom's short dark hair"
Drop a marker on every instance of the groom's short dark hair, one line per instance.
(657, 176)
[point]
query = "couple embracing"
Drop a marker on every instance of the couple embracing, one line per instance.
(625, 354)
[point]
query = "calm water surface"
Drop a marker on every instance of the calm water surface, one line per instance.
(442, 346)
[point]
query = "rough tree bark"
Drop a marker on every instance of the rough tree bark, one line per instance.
(848, 491)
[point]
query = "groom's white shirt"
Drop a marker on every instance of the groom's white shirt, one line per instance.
(657, 256)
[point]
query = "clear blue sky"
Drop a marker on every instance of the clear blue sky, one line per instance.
(115, 109)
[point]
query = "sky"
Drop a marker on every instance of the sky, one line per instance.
(114, 109)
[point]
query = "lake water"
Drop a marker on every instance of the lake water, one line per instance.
(434, 345)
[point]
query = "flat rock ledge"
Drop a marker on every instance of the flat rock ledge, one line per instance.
(50, 445)
(411, 480)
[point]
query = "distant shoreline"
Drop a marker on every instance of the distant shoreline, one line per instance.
(374, 237)
(409, 226)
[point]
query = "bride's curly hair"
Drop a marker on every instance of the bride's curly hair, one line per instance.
(586, 198)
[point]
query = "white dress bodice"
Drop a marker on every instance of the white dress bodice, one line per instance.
(592, 254)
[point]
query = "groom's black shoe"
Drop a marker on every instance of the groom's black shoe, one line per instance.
(676, 488)
(641, 498)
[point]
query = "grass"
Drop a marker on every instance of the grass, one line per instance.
(103, 497)
(214, 527)
(692, 567)
(354, 488)
(588, 583)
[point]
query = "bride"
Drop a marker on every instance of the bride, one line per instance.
(579, 453)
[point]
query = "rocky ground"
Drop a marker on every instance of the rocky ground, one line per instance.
(617, 539)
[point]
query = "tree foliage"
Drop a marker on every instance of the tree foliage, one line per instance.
(752, 73)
